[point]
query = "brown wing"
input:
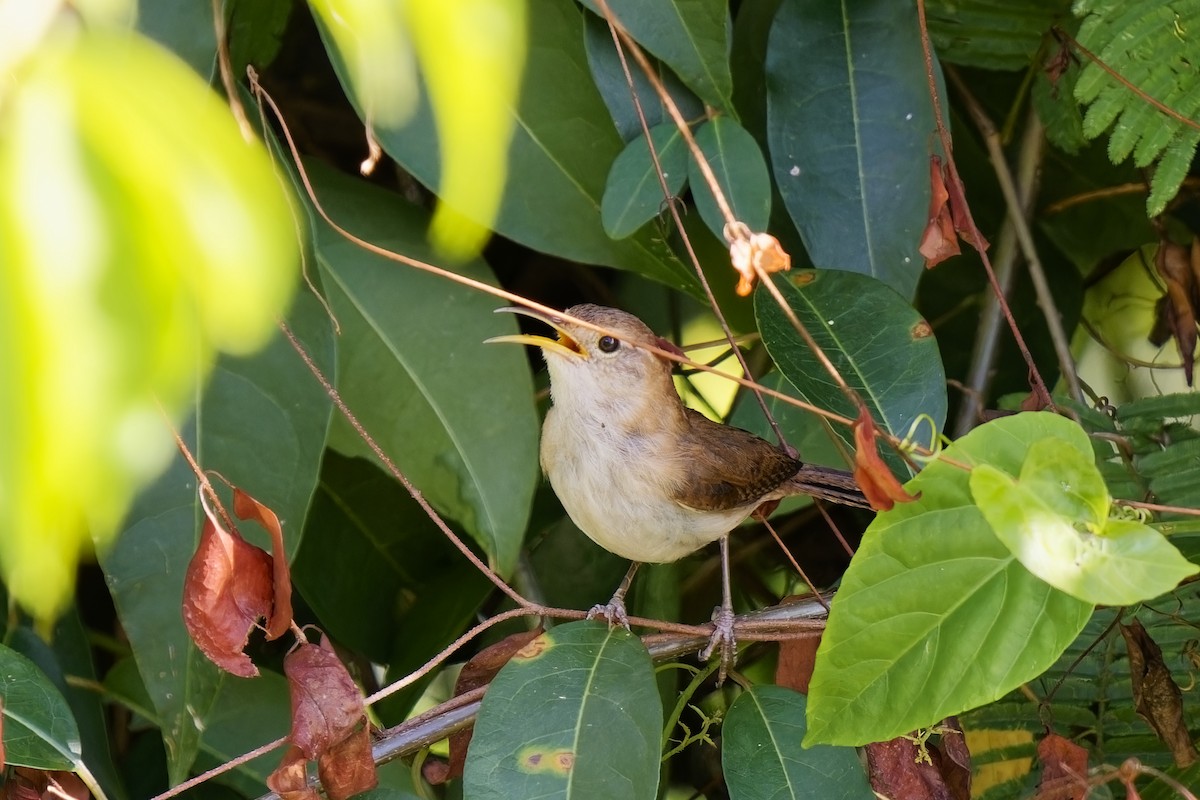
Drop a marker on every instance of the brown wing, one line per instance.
(725, 467)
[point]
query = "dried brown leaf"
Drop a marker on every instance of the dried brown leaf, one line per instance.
(226, 590)
(897, 769)
(1177, 309)
(348, 767)
(290, 779)
(939, 241)
(27, 783)
(796, 659)
(246, 507)
(877, 482)
(326, 705)
(1064, 769)
(1156, 696)
(955, 759)
(750, 253)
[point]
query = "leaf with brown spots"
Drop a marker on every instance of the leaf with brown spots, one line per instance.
(246, 507)
(1064, 769)
(478, 671)
(326, 705)
(226, 590)
(872, 475)
(1156, 696)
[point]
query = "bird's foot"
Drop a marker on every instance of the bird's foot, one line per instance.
(613, 611)
(722, 639)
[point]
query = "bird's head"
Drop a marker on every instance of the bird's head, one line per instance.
(587, 364)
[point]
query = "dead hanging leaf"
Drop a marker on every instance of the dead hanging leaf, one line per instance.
(290, 779)
(955, 763)
(1176, 310)
(939, 241)
(478, 671)
(1156, 696)
(226, 590)
(1058, 64)
(796, 660)
(877, 482)
(1064, 769)
(246, 507)
(328, 725)
(751, 253)
(26, 783)
(899, 768)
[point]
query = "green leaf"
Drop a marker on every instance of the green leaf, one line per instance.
(262, 424)
(185, 28)
(256, 30)
(181, 243)
(39, 730)
(879, 344)
(849, 122)
(562, 149)
(1054, 520)
(932, 591)
(690, 36)
(993, 34)
(763, 760)
(413, 367)
(633, 194)
(741, 172)
(609, 77)
(575, 715)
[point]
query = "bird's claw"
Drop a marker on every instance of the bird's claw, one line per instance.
(613, 611)
(722, 638)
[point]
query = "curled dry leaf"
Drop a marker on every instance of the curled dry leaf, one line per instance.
(1179, 268)
(752, 253)
(290, 779)
(955, 763)
(939, 241)
(26, 783)
(348, 767)
(226, 589)
(877, 482)
(900, 768)
(246, 507)
(1064, 769)
(477, 672)
(796, 659)
(1156, 696)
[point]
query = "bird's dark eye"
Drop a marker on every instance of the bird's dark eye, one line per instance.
(608, 344)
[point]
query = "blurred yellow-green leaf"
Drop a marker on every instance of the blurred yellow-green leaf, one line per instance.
(138, 232)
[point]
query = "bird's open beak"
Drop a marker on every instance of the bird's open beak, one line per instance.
(565, 344)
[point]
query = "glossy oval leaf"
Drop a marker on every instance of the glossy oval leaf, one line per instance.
(690, 36)
(262, 423)
(633, 194)
(741, 173)
(456, 415)
(39, 729)
(609, 77)
(562, 148)
(879, 344)
(935, 615)
(575, 715)
(849, 125)
(763, 759)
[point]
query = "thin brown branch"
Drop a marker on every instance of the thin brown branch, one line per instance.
(973, 235)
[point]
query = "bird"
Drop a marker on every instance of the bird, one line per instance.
(638, 472)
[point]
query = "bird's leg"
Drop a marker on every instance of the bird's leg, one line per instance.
(722, 635)
(614, 610)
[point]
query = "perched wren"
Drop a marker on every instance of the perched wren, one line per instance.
(641, 474)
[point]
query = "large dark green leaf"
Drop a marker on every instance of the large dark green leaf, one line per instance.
(849, 124)
(262, 424)
(877, 342)
(576, 715)
(993, 34)
(933, 592)
(559, 158)
(456, 415)
(39, 730)
(633, 194)
(741, 174)
(690, 36)
(763, 760)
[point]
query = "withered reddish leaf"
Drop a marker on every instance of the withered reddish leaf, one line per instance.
(1064, 769)
(955, 761)
(348, 768)
(326, 705)
(27, 783)
(796, 659)
(1177, 309)
(877, 482)
(290, 779)
(897, 770)
(477, 672)
(246, 507)
(226, 590)
(939, 241)
(750, 253)
(1156, 696)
